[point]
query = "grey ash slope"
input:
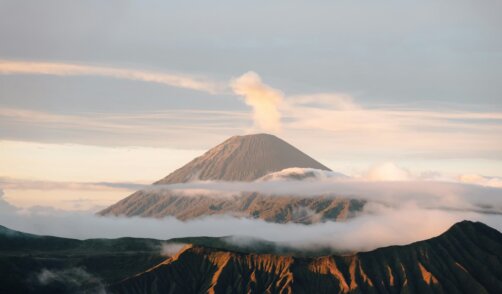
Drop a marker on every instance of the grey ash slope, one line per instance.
(240, 158)
(243, 158)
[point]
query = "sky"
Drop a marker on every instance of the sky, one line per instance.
(127, 91)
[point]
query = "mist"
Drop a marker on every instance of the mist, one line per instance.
(381, 223)
(424, 194)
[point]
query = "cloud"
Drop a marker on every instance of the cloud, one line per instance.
(387, 171)
(71, 69)
(381, 223)
(24, 184)
(476, 179)
(298, 173)
(5, 207)
(332, 119)
(264, 100)
(71, 278)
(387, 183)
(169, 248)
(188, 128)
(356, 129)
(425, 193)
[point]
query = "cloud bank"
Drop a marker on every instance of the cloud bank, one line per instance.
(392, 209)
(422, 193)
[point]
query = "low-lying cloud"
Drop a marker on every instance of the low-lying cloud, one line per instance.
(71, 279)
(24, 184)
(171, 248)
(396, 213)
(425, 194)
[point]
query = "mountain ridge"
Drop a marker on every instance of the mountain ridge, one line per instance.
(436, 265)
(467, 258)
(240, 158)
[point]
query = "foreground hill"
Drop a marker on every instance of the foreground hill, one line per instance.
(44, 264)
(465, 259)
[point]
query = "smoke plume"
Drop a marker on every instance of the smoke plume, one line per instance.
(264, 100)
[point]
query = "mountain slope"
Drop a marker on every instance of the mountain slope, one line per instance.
(44, 264)
(465, 259)
(242, 158)
(271, 208)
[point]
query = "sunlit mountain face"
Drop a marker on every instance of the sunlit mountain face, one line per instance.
(264, 147)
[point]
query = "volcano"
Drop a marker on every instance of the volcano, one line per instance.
(243, 159)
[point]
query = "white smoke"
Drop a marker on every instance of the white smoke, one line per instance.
(264, 100)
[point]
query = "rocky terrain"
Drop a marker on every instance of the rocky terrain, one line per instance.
(271, 208)
(242, 158)
(465, 259)
(259, 157)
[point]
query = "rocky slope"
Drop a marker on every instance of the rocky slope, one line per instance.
(258, 157)
(242, 158)
(275, 208)
(465, 259)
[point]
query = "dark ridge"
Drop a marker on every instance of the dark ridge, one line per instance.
(465, 259)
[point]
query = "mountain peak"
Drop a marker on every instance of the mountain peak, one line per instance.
(468, 228)
(257, 135)
(243, 158)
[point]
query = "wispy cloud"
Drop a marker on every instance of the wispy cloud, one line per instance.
(352, 126)
(72, 69)
(25, 184)
(181, 128)
(332, 119)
